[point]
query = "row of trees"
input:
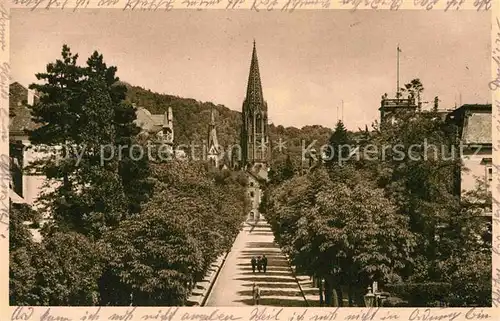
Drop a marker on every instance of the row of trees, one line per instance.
(122, 231)
(382, 218)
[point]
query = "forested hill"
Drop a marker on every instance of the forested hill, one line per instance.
(192, 117)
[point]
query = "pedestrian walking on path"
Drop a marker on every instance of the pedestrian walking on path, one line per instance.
(264, 262)
(259, 263)
(256, 294)
(254, 263)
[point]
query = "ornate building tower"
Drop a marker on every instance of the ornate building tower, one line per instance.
(166, 134)
(213, 144)
(391, 109)
(254, 131)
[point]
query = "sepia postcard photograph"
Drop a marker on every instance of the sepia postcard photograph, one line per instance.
(216, 158)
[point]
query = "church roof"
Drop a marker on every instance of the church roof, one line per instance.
(254, 87)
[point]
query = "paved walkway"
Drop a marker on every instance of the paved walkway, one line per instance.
(234, 285)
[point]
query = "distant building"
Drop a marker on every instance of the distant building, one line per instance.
(25, 187)
(255, 151)
(391, 108)
(157, 126)
(473, 123)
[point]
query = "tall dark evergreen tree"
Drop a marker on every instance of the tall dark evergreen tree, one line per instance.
(340, 145)
(82, 110)
(133, 169)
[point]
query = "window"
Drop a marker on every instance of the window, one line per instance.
(251, 184)
(489, 177)
(251, 194)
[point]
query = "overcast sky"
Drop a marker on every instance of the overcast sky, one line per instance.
(309, 60)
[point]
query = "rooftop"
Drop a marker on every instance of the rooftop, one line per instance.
(477, 129)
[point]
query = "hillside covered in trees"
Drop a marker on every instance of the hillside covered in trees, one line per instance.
(192, 117)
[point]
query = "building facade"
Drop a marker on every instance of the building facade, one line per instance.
(473, 123)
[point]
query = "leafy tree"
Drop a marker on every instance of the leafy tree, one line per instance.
(414, 90)
(418, 174)
(157, 257)
(288, 169)
(281, 170)
(62, 270)
(470, 277)
(347, 237)
(19, 235)
(192, 218)
(22, 275)
(413, 182)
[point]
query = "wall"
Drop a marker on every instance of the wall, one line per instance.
(474, 168)
(33, 185)
(255, 200)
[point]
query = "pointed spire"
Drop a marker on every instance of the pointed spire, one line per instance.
(212, 116)
(212, 134)
(254, 88)
(170, 114)
(165, 120)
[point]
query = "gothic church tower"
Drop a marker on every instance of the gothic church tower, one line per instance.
(254, 131)
(213, 144)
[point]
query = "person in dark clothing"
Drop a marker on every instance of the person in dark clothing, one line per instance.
(259, 264)
(254, 263)
(264, 262)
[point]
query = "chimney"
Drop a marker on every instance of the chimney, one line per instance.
(31, 97)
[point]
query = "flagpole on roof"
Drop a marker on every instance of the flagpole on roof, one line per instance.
(397, 88)
(342, 111)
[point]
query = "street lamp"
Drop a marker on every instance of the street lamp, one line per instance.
(369, 298)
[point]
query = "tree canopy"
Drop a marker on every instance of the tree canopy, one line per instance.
(124, 230)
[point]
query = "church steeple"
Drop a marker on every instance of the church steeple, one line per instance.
(254, 88)
(212, 117)
(213, 143)
(254, 131)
